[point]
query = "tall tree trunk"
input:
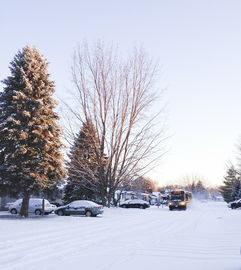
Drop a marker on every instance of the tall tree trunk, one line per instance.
(110, 196)
(25, 205)
(102, 185)
(103, 197)
(116, 201)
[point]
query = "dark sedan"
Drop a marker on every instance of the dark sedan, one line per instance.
(135, 204)
(235, 204)
(81, 207)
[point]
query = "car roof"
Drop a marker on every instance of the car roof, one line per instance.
(81, 201)
(31, 199)
(84, 202)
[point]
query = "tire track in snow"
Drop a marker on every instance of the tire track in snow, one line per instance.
(123, 235)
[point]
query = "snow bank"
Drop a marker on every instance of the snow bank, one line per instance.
(205, 237)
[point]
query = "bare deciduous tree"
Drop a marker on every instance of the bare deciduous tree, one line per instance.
(118, 96)
(143, 184)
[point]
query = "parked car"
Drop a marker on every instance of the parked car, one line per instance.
(235, 204)
(80, 207)
(135, 204)
(35, 206)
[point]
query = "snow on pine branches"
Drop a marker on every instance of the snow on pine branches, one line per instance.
(84, 166)
(30, 143)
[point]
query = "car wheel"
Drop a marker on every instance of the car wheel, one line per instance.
(38, 212)
(141, 207)
(123, 206)
(88, 214)
(170, 208)
(13, 211)
(60, 213)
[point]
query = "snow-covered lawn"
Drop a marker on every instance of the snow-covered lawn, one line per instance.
(205, 237)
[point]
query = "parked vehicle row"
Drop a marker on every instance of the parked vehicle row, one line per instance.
(79, 207)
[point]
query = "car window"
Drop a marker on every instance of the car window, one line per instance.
(127, 201)
(38, 202)
(35, 202)
(18, 201)
(92, 203)
(85, 204)
(133, 201)
(76, 204)
(73, 204)
(82, 203)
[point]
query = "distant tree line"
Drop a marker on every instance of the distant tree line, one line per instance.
(231, 188)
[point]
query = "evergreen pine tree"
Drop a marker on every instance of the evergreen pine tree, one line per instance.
(83, 182)
(229, 180)
(30, 136)
(236, 189)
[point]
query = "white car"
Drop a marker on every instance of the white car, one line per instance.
(35, 206)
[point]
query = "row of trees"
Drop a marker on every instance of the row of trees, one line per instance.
(118, 140)
(83, 170)
(231, 188)
(115, 98)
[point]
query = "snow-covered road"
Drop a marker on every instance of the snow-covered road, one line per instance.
(205, 237)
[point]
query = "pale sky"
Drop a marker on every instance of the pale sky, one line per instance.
(198, 44)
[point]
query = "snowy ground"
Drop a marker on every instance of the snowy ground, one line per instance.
(205, 237)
